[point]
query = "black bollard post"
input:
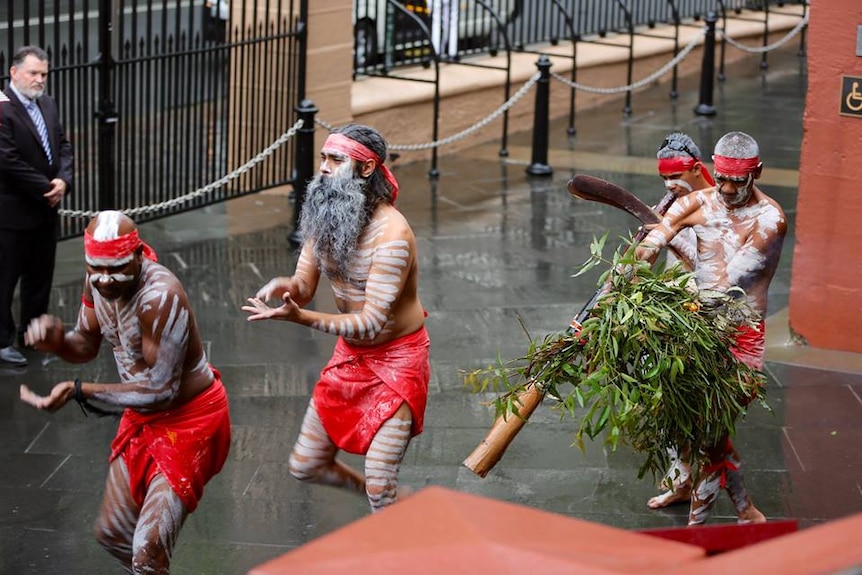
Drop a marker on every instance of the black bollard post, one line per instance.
(304, 163)
(541, 118)
(707, 72)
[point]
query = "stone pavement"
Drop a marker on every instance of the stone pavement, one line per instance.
(494, 245)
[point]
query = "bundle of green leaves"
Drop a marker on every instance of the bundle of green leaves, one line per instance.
(650, 367)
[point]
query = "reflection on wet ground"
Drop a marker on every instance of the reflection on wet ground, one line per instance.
(495, 246)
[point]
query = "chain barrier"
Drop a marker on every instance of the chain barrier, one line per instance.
(466, 132)
(778, 44)
(131, 212)
(528, 85)
(695, 40)
(324, 125)
(640, 83)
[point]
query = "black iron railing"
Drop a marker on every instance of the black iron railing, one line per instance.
(161, 98)
(386, 40)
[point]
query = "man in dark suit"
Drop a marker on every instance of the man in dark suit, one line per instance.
(35, 175)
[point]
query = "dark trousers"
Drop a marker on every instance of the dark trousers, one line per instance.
(28, 255)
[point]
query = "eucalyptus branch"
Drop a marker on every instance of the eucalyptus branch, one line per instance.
(650, 367)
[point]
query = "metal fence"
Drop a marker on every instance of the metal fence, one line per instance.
(390, 34)
(161, 97)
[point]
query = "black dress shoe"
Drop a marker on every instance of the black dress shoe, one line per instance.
(12, 356)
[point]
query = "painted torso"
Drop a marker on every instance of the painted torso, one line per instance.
(379, 299)
(157, 366)
(685, 243)
(735, 246)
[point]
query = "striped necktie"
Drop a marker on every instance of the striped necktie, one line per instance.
(39, 122)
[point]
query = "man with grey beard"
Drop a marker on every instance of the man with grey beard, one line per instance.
(370, 398)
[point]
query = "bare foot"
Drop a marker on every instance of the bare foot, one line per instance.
(751, 515)
(681, 494)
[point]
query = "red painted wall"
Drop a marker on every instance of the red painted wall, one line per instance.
(826, 286)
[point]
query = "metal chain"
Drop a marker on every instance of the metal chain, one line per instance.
(466, 132)
(648, 80)
(281, 140)
(324, 125)
(778, 44)
(131, 212)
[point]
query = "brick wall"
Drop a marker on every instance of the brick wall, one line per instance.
(826, 287)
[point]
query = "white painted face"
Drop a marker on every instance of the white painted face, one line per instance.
(113, 281)
(335, 163)
(111, 277)
(672, 183)
(734, 192)
(680, 183)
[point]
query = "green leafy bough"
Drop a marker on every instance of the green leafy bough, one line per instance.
(651, 365)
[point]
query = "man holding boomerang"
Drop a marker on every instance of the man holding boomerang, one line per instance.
(680, 167)
(371, 396)
(740, 232)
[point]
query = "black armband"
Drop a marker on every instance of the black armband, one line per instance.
(86, 406)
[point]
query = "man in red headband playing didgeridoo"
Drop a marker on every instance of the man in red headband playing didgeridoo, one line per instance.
(681, 168)
(174, 434)
(739, 231)
(371, 395)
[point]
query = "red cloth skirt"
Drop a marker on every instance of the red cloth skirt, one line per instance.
(188, 444)
(362, 387)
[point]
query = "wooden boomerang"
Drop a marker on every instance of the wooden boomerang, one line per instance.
(599, 190)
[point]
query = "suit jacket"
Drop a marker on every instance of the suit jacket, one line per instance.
(25, 174)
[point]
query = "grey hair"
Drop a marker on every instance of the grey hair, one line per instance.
(678, 145)
(25, 51)
(737, 145)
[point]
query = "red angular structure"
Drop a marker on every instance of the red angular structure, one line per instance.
(442, 531)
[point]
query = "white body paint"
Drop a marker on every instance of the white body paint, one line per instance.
(376, 271)
(120, 326)
(736, 247)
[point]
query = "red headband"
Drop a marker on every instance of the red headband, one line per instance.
(735, 167)
(683, 164)
(675, 165)
(356, 151)
(121, 248)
